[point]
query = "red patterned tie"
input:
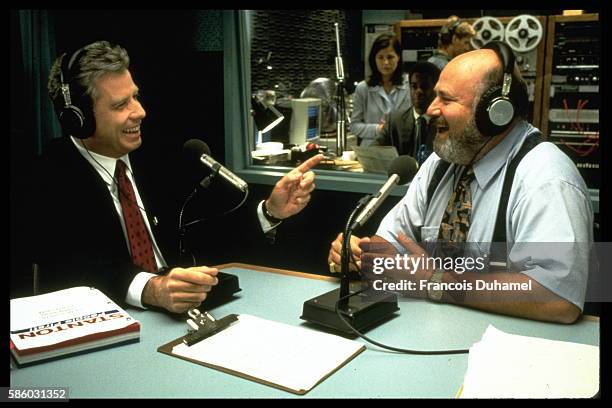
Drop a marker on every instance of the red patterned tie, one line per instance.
(140, 242)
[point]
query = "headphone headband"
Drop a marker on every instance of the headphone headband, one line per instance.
(76, 114)
(506, 55)
(453, 27)
(496, 108)
(448, 30)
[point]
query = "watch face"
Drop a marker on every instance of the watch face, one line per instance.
(435, 294)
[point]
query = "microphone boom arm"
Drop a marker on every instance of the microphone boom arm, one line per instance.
(340, 110)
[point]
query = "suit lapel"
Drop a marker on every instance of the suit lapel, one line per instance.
(407, 133)
(374, 95)
(402, 97)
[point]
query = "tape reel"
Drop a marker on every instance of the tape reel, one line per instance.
(487, 29)
(524, 33)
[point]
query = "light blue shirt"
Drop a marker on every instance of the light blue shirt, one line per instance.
(549, 203)
(370, 105)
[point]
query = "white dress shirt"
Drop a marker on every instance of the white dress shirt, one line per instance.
(105, 166)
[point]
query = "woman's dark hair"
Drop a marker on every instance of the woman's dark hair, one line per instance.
(383, 41)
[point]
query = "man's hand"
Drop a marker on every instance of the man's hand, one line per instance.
(381, 248)
(335, 251)
(181, 289)
(292, 192)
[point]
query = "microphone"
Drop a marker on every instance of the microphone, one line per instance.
(199, 150)
(401, 171)
(228, 284)
(341, 309)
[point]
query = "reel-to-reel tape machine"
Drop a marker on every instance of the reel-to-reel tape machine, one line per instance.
(523, 34)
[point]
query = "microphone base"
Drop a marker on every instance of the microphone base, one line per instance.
(221, 293)
(364, 310)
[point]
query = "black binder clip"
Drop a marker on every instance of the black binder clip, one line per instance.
(204, 326)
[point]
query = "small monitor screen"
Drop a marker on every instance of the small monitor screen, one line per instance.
(313, 122)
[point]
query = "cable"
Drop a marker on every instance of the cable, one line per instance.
(246, 194)
(348, 231)
(121, 192)
(182, 229)
(591, 140)
(397, 349)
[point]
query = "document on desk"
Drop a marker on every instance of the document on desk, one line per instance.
(291, 358)
(376, 159)
(503, 365)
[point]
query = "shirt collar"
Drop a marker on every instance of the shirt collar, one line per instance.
(416, 115)
(488, 166)
(379, 88)
(104, 165)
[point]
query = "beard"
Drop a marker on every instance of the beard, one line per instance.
(461, 146)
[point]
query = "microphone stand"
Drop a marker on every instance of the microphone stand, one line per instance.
(360, 308)
(345, 253)
(205, 183)
(340, 101)
(227, 283)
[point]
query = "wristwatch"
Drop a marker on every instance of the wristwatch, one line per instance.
(272, 219)
(434, 292)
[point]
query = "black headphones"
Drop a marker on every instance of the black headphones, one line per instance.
(447, 31)
(499, 105)
(75, 111)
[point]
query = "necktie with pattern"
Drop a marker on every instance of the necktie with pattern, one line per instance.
(138, 236)
(456, 220)
(420, 132)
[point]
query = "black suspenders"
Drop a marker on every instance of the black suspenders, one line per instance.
(498, 253)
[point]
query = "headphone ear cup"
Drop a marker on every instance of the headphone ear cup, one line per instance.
(77, 119)
(71, 118)
(444, 34)
(494, 113)
(74, 108)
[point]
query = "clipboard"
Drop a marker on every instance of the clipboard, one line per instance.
(344, 350)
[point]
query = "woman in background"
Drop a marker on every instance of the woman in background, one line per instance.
(382, 93)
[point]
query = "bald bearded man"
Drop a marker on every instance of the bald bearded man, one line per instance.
(527, 189)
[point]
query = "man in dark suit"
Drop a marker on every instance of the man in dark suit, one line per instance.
(409, 129)
(96, 201)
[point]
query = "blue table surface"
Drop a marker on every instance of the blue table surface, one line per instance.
(137, 370)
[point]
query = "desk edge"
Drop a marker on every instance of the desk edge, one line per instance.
(275, 270)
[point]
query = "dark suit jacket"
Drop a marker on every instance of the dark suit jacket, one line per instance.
(76, 232)
(399, 131)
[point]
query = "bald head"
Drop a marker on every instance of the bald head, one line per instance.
(458, 92)
(470, 73)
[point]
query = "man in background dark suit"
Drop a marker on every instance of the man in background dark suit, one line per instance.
(94, 188)
(403, 129)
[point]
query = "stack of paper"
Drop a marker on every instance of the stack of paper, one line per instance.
(66, 322)
(505, 365)
(376, 159)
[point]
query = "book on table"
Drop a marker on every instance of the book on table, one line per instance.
(67, 322)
